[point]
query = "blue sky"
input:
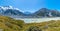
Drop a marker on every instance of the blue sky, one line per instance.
(32, 5)
(53, 4)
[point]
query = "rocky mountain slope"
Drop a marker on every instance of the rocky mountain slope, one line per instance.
(47, 13)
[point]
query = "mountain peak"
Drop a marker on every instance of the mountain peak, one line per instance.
(8, 7)
(47, 12)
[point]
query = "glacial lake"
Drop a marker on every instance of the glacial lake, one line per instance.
(37, 20)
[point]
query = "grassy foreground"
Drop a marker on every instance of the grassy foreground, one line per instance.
(9, 24)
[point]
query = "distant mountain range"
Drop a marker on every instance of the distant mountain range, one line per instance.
(47, 13)
(43, 12)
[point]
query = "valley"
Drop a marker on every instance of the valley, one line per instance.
(38, 20)
(12, 19)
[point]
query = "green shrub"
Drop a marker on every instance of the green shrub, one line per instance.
(34, 28)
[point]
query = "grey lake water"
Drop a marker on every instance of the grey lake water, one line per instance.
(37, 20)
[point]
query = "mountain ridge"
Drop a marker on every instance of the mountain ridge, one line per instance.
(47, 12)
(43, 12)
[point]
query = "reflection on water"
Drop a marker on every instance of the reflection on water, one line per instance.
(37, 20)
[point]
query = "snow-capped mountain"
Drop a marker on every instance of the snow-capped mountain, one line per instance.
(44, 12)
(9, 10)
